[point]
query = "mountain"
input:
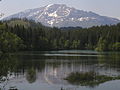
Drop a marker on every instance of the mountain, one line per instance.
(60, 15)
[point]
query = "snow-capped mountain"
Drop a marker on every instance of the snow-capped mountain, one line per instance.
(60, 15)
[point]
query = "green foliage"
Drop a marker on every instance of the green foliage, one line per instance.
(35, 36)
(19, 22)
(75, 44)
(9, 42)
(116, 46)
(67, 44)
(101, 45)
(77, 77)
(89, 78)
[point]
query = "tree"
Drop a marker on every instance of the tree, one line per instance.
(67, 44)
(39, 37)
(116, 46)
(9, 42)
(75, 44)
(101, 46)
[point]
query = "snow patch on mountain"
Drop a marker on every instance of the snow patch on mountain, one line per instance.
(85, 18)
(51, 22)
(47, 7)
(60, 15)
(54, 14)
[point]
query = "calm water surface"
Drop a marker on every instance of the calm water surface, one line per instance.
(49, 68)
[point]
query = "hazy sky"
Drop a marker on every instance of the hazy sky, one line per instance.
(103, 7)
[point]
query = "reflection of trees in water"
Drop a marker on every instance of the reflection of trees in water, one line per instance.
(110, 60)
(73, 63)
(11, 66)
(56, 66)
(31, 75)
(8, 65)
(106, 64)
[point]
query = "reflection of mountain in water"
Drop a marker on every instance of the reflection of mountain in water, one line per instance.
(37, 68)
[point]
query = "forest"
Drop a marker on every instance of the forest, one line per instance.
(24, 35)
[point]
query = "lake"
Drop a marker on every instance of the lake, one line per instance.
(46, 70)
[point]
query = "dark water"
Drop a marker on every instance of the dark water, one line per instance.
(47, 70)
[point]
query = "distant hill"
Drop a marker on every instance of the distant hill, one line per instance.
(60, 15)
(23, 22)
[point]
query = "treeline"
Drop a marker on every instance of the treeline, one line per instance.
(9, 42)
(35, 36)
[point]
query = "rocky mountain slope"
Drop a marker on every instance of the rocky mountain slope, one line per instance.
(60, 15)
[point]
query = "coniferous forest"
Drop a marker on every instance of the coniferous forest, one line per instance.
(23, 34)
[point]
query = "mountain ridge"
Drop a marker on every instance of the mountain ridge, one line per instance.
(60, 15)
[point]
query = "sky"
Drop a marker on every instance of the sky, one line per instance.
(103, 7)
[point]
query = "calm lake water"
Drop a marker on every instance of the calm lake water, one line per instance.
(49, 68)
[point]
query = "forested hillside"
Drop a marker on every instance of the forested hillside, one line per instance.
(17, 34)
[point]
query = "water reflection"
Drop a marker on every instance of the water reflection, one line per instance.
(51, 68)
(8, 65)
(31, 75)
